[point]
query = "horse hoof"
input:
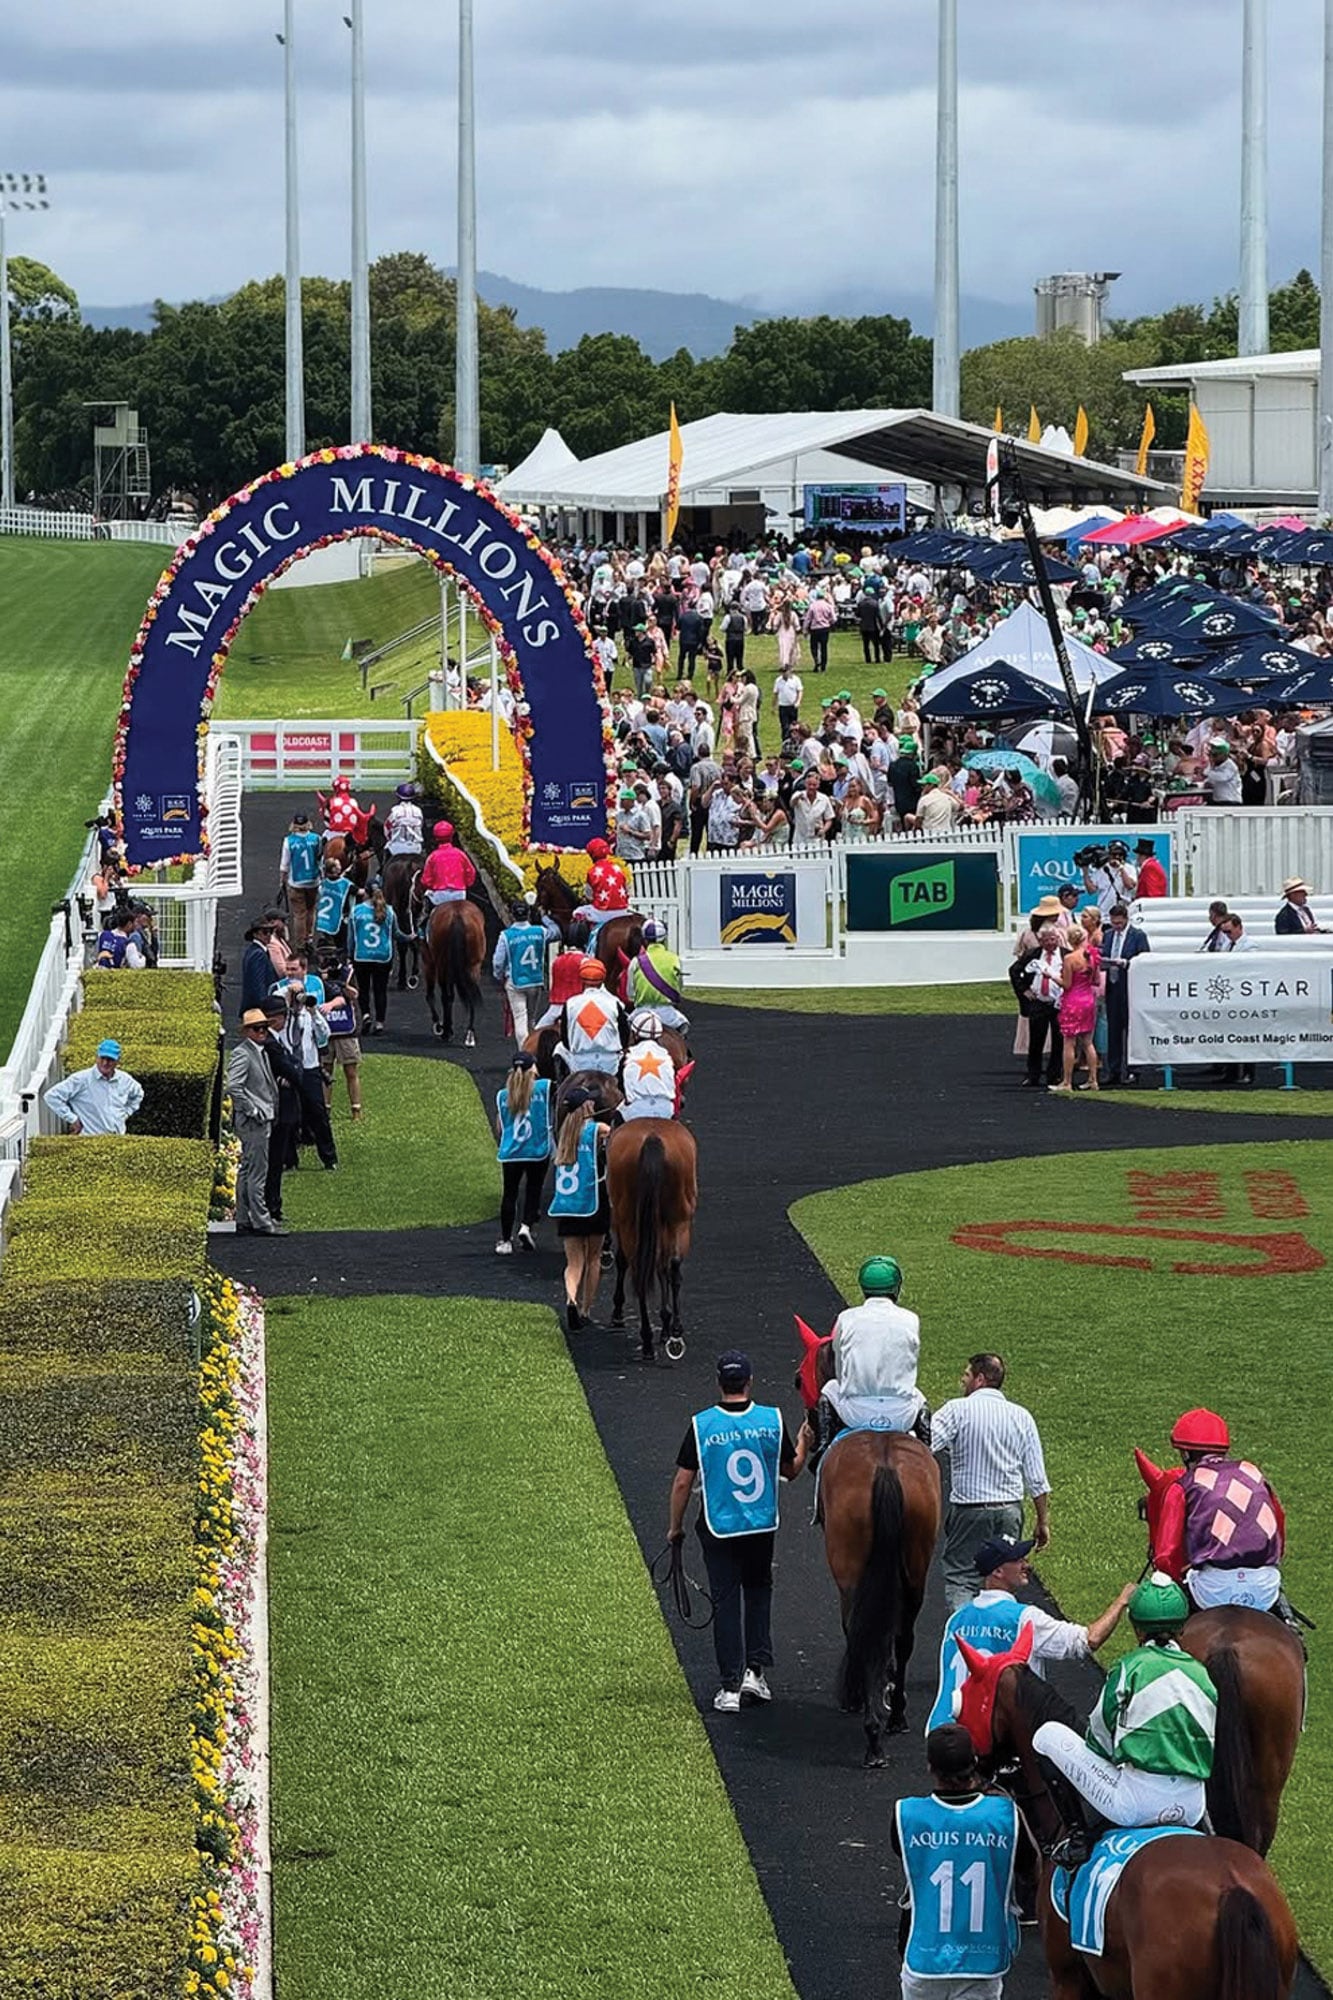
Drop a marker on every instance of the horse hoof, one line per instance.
(674, 1348)
(438, 1031)
(412, 985)
(469, 1040)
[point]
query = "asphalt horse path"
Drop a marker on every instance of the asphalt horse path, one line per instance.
(783, 1105)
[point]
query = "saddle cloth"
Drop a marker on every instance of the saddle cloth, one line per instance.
(848, 1430)
(1094, 1883)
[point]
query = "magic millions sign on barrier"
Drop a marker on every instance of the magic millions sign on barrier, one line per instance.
(1231, 1007)
(786, 906)
(922, 889)
(369, 490)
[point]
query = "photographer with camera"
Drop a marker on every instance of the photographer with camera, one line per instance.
(305, 1036)
(1108, 874)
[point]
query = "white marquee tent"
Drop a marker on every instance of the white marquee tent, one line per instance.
(548, 459)
(1022, 639)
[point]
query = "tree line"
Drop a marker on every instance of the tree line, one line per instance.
(208, 379)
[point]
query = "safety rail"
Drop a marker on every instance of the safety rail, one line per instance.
(53, 524)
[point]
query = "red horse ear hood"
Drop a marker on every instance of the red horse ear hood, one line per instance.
(1153, 1476)
(806, 1375)
(977, 1705)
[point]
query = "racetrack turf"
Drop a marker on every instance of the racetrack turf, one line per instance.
(489, 1779)
(975, 998)
(1107, 1354)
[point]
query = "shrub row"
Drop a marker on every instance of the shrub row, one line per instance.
(168, 1028)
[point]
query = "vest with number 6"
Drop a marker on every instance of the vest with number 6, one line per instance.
(302, 859)
(372, 941)
(959, 1861)
(578, 1186)
(740, 1452)
(527, 954)
(527, 1136)
(331, 904)
(990, 1628)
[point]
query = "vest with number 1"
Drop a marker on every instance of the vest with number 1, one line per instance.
(302, 859)
(990, 1628)
(959, 1861)
(740, 1452)
(578, 1186)
(527, 954)
(528, 1136)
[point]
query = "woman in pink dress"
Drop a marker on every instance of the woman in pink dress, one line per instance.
(1081, 979)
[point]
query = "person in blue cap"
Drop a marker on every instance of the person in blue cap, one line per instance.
(737, 1451)
(97, 1100)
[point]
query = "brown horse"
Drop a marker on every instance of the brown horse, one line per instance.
(1189, 1919)
(879, 1498)
(357, 862)
(616, 942)
(454, 954)
(400, 873)
(652, 1174)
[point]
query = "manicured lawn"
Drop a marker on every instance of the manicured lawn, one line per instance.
(68, 615)
(287, 660)
(1313, 1103)
(489, 1778)
(1107, 1356)
(422, 1156)
(973, 999)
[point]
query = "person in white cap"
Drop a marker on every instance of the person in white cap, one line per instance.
(648, 1075)
(1221, 779)
(1294, 916)
(98, 1100)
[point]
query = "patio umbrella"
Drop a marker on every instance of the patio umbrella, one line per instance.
(1312, 687)
(1044, 741)
(1015, 566)
(1135, 528)
(1152, 648)
(1215, 621)
(1043, 784)
(1159, 690)
(1318, 549)
(997, 689)
(1147, 605)
(1258, 662)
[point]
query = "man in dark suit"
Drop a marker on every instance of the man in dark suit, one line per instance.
(1295, 918)
(1123, 941)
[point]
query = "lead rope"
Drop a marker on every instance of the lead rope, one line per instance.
(680, 1586)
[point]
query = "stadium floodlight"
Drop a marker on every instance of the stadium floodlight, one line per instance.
(944, 388)
(467, 389)
(18, 193)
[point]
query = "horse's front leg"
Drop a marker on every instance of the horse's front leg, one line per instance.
(470, 1039)
(430, 998)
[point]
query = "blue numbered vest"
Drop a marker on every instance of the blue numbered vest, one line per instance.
(110, 946)
(959, 1861)
(372, 942)
(302, 859)
(527, 954)
(740, 1452)
(991, 1628)
(312, 983)
(331, 905)
(578, 1187)
(527, 1137)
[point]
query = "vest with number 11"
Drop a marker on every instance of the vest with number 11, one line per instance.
(740, 1453)
(959, 1859)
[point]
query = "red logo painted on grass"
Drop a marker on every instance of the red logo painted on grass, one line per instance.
(1271, 1256)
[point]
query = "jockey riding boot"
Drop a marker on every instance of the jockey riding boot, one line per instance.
(1082, 1825)
(818, 1420)
(1284, 1609)
(921, 1428)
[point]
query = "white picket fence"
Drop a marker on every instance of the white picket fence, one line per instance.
(297, 756)
(63, 526)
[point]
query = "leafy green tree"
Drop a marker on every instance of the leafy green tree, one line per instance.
(825, 364)
(1057, 376)
(605, 392)
(36, 293)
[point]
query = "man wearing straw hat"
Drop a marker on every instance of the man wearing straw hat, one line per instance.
(1294, 917)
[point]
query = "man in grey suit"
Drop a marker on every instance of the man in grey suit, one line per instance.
(1122, 942)
(254, 1106)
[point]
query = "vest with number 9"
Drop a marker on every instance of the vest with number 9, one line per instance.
(740, 1452)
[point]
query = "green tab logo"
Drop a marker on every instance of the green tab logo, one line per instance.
(926, 892)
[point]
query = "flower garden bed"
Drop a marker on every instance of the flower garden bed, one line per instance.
(485, 805)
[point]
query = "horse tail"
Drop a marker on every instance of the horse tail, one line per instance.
(873, 1621)
(650, 1180)
(461, 976)
(1249, 1960)
(1231, 1787)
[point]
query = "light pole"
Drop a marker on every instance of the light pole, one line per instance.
(945, 391)
(361, 420)
(1325, 441)
(467, 394)
(292, 287)
(18, 192)
(1253, 326)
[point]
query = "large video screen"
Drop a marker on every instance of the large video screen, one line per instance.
(859, 510)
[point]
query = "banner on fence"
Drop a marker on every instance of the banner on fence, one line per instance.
(1248, 1007)
(753, 907)
(924, 891)
(1043, 859)
(758, 909)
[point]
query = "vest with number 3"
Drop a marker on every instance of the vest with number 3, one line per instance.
(527, 954)
(578, 1186)
(740, 1452)
(959, 1861)
(527, 1136)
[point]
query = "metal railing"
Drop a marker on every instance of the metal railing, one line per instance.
(297, 756)
(54, 525)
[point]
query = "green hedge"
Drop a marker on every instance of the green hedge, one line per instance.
(167, 1025)
(78, 1316)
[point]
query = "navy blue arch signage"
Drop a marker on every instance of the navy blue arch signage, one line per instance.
(224, 568)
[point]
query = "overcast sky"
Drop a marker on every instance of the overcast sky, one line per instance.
(768, 153)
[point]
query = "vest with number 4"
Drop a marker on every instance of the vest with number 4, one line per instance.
(302, 859)
(959, 1862)
(578, 1186)
(527, 954)
(991, 1628)
(527, 1136)
(331, 904)
(372, 941)
(740, 1452)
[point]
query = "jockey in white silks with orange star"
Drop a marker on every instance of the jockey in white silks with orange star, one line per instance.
(648, 1075)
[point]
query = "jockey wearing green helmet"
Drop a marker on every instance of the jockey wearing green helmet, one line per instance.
(876, 1349)
(1148, 1753)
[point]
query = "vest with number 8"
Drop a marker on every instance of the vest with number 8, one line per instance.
(740, 1452)
(578, 1186)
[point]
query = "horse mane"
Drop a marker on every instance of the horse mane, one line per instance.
(1040, 1702)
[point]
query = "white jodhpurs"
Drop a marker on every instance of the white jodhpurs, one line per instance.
(1118, 1792)
(520, 998)
(1257, 1589)
(645, 1107)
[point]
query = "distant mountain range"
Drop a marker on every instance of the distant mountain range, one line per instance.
(662, 322)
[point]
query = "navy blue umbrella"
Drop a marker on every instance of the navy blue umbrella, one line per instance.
(1015, 566)
(1318, 549)
(1160, 690)
(1218, 621)
(1313, 685)
(1154, 648)
(1257, 661)
(996, 689)
(1148, 605)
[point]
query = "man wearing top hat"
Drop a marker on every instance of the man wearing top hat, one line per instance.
(1152, 875)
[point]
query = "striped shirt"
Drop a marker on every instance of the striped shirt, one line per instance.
(994, 1450)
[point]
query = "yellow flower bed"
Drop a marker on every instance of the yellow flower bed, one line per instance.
(463, 739)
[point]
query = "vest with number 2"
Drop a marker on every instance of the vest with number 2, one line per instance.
(527, 1136)
(331, 904)
(527, 954)
(578, 1186)
(740, 1452)
(959, 1861)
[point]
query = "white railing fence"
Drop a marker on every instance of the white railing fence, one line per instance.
(58, 525)
(296, 756)
(1252, 851)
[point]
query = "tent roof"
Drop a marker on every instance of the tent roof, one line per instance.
(1297, 362)
(728, 450)
(1023, 641)
(549, 457)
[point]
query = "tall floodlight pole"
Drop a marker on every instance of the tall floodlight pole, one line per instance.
(361, 419)
(292, 289)
(945, 393)
(17, 192)
(1325, 451)
(1253, 329)
(467, 394)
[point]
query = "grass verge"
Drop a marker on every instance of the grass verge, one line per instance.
(421, 1157)
(489, 1778)
(982, 998)
(1106, 1356)
(1308, 1103)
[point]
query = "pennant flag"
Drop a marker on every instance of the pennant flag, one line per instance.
(993, 476)
(1196, 461)
(675, 459)
(1081, 433)
(1146, 437)
(1034, 425)
(998, 425)
(347, 650)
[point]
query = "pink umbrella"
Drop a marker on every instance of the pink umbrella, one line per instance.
(1133, 529)
(1292, 521)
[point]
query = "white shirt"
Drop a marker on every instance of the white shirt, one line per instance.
(811, 818)
(403, 829)
(787, 690)
(994, 1450)
(876, 1348)
(1052, 1638)
(1222, 783)
(1113, 884)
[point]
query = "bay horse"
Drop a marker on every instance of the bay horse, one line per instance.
(652, 1175)
(400, 873)
(1257, 1664)
(879, 1499)
(454, 953)
(616, 942)
(1190, 1918)
(358, 863)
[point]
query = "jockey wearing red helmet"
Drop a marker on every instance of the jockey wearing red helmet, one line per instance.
(608, 893)
(341, 812)
(1219, 1527)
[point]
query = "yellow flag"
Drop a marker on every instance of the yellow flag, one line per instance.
(1034, 425)
(675, 459)
(998, 425)
(1146, 436)
(1081, 433)
(1196, 461)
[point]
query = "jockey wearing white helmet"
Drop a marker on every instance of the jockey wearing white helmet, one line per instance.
(648, 1076)
(655, 979)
